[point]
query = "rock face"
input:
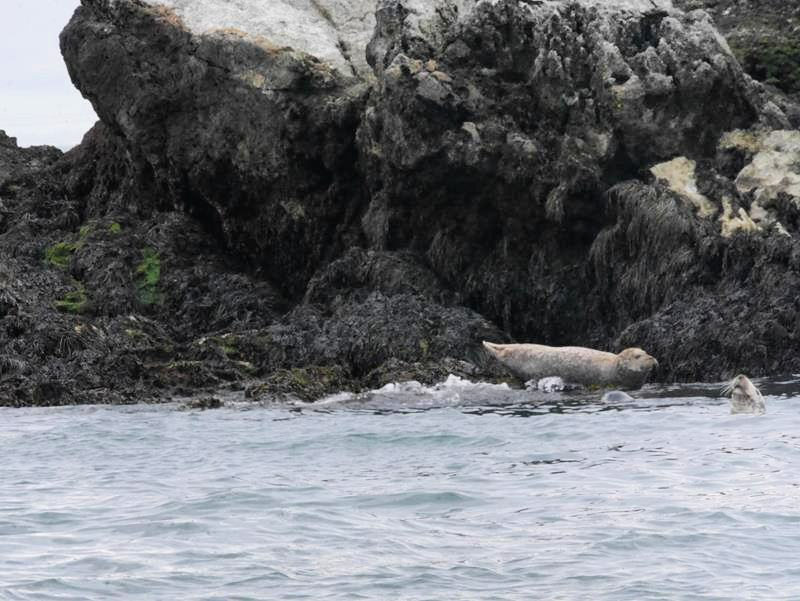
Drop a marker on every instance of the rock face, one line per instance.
(255, 139)
(763, 35)
(334, 31)
(490, 150)
(319, 194)
(21, 163)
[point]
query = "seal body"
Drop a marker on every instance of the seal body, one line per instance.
(745, 397)
(616, 396)
(575, 364)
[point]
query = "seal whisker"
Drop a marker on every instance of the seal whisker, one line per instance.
(745, 397)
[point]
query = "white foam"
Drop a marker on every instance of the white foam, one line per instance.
(338, 397)
(549, 384)
(449, 391)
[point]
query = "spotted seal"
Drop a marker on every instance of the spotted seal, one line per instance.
(745, 397)
(575, 364)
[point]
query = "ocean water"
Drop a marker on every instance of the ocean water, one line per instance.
(454, 492)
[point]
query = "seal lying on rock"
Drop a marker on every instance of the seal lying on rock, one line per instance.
(575, 364)
(745, 397)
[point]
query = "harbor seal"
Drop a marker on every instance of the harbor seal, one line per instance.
(616, 396)
(745, 397)
(575, 364)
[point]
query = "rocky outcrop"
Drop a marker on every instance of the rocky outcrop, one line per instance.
(107, 302)
(255, 139)
(332, 31)
(305, 196)
(499, 177)
(23, 163)
(763, 35)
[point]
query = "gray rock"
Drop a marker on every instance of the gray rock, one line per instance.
(334, 31)
(763, 35)
(18, 163)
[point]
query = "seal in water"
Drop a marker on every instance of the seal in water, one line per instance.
(745, 397)
(616, 396)
(575, 364)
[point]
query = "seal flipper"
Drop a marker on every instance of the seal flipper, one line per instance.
(515, 358)
(498, 350)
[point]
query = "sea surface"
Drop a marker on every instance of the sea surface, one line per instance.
(458, 491)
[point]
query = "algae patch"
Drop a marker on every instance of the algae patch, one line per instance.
(73, 301)
(60, 254)
(148, 277)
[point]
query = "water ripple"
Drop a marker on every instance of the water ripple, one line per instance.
(478, 493)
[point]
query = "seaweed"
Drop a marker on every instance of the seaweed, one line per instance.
(148, 277)
(73, 301)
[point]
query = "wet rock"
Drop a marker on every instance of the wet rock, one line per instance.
(711, 294)
(305, 384)
(364, 331)
(201, 404)
(427, 373)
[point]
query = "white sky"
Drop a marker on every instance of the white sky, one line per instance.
(38, 103)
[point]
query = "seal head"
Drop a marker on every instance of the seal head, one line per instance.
(633, 367)
(745, 397)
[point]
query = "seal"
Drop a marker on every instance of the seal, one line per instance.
(575, 364)
(616, 396)
(745, 397)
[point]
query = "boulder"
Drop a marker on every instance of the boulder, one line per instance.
(253, 137)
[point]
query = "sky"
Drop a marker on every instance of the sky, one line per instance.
(38, 103)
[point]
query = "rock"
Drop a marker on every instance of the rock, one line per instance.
(500, 183)
(17, 163)
(279, 191)
(775, 168)
(305, 384)
(324, 196)
(334, 32)
(678, 315)
(201, 404)
(679, 175)
(763, 35)
(365, 330)
(426, 373)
